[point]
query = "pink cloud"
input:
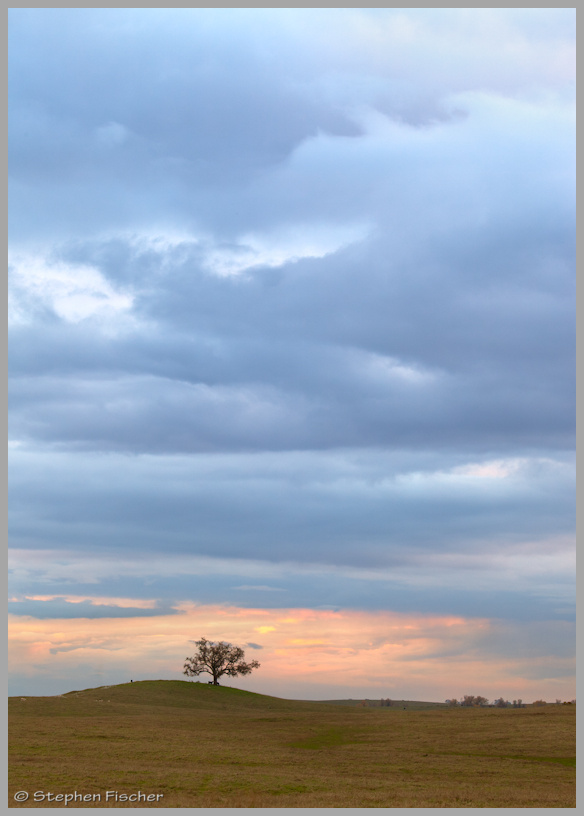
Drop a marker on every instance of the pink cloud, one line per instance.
(305, 652)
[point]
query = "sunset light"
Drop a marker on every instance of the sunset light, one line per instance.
(292, 348)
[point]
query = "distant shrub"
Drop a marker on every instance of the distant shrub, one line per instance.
(502, 703)
(471, 700)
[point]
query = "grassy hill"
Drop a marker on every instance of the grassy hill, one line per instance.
(194, 745)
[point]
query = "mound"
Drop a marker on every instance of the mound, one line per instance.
(153, 694)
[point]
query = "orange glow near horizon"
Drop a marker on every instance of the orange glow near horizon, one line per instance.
(303, 651)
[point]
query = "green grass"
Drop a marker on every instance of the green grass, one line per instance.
(214, 746)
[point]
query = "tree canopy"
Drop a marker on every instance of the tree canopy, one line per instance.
(217, 659)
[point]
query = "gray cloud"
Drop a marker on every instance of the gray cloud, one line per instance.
(285, 298)
(350, 508)
(61, 608)
(452, 318)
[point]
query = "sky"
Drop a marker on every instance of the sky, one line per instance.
(291, 339)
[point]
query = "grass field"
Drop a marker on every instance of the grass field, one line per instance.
(205, 746)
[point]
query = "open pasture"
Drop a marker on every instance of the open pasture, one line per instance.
(205, 746)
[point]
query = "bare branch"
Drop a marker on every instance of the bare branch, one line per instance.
(217, 659)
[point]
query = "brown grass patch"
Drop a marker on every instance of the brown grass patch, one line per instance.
(203, 746)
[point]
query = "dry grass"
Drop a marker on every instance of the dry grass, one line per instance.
(204, 746)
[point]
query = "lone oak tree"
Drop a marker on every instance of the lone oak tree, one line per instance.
(218, 659)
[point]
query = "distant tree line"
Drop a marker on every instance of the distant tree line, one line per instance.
(471, 701)
(467, 701)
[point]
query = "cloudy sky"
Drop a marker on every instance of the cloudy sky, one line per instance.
(292, 347)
